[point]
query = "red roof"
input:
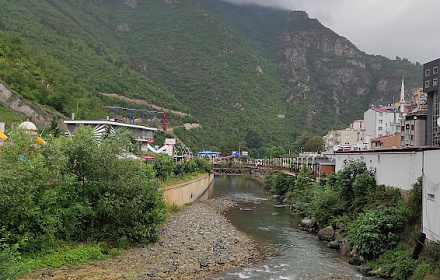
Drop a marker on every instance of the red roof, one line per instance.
(377, 139)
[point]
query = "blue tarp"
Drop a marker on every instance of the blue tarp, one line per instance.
(209, 153)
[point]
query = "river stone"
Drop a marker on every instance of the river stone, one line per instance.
(333, 244)
(364, 270)
(345, 248)
(356, 258)
(307, 224)
(327, 233)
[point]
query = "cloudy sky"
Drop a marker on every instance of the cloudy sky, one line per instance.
(404, 28)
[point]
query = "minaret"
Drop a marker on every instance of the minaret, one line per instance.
(402, 97)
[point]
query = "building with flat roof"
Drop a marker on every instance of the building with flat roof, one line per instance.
(431, 78)
(142, 134)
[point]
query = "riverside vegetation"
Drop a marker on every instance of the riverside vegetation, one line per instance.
(380, 225)
(71, 200)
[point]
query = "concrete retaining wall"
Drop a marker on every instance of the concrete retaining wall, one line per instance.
(188, 192)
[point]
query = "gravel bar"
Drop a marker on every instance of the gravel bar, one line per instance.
(195, 243)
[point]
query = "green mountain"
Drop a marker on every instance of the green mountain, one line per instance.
(234, 69)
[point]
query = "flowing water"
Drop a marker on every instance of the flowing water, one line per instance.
(299, 255)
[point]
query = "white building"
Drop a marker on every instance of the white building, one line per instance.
(354, 137)
(400, 168)
(382, 121)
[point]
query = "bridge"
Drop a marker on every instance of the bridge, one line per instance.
(266, 167)
(263, 167)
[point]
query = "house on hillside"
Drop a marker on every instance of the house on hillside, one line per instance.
(142, 134)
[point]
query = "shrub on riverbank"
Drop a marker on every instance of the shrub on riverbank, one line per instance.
(372, 217)
(72, 189)
(164, 166)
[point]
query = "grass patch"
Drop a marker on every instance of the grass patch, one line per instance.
(173, 180)
(68, 255)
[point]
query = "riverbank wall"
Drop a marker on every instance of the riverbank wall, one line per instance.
(188, 192)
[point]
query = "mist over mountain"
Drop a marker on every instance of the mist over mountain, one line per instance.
(234, 69)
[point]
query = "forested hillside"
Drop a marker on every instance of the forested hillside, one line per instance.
(234, 69)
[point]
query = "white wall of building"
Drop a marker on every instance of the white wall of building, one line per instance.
(401, 170)
(382, 122)
(431, 196)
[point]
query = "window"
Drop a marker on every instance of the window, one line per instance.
(427, 72)
(435, 70)
(380, 121)
(412, 137)
(402, 128)
(379, 128)
(431, 196)
(427, 84)
(407, 126)
(381, 114)
(412, 127)
(434, 81)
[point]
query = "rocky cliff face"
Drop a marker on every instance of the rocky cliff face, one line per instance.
(328, 68)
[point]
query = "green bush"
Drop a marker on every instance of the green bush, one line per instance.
(376, 231)
(10, 266)
(163, 166)
(279, 184)
(353, 190)
(396, 264)
(203, 165)
(325, 205)
(74, 189)
(421, 270)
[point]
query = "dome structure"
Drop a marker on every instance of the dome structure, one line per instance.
(30, 126)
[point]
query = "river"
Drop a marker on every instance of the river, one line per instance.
(299, 255)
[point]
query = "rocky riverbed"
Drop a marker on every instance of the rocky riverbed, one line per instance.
(194, 243)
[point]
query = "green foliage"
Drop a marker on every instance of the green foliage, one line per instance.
(304, 185)
(67, 255)
(253, 139)
(415, 200)
(279, 184)
(421, 270)
(74, 189)
(376, 231)
(396, 264)
(275, 152)
(203, 165)
(353, 191)
(189, 119)
(308, 143)
(163, 166)
(432, 251)
(10, 266)
(326, 204)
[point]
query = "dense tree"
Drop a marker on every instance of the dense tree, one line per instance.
(253, 139)
(275, 152)
(308, 143)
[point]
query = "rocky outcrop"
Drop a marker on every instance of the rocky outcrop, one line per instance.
(29, 110)
(123, 27)
(131, 3)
